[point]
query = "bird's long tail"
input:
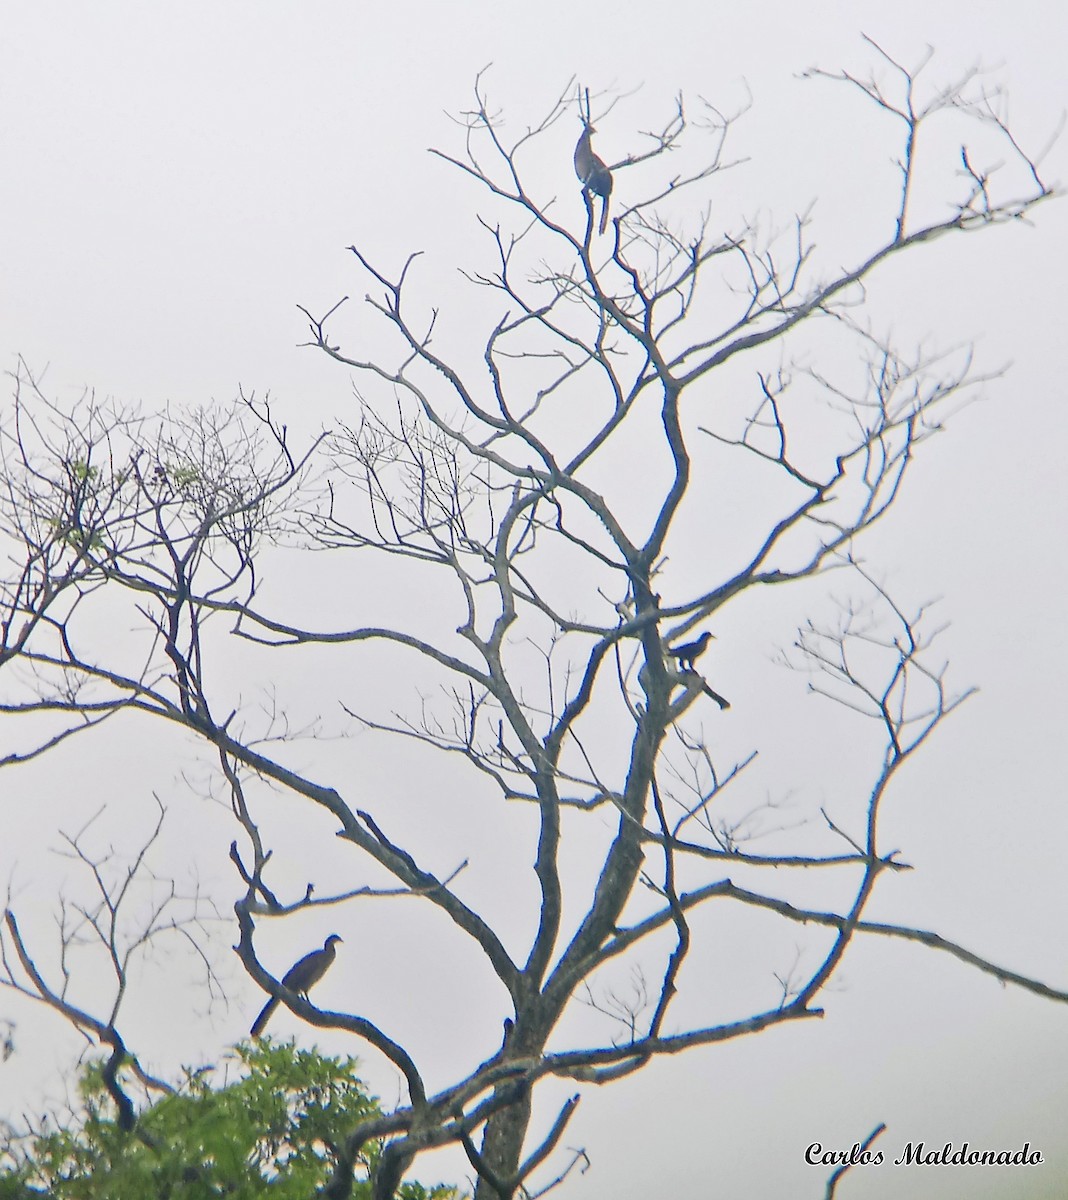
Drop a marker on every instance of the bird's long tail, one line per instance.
(264, 1017)
(604, 214)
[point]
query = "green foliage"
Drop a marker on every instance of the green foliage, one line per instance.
(82, 472)
(270, 1132)
(183, 477)
(77, 538)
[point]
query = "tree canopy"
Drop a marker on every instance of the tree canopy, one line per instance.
(267, 1129)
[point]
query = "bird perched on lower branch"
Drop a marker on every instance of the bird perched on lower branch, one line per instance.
(593, 174)
(299, 978)
(690, 652)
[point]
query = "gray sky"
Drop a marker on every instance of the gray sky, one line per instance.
(179, 178)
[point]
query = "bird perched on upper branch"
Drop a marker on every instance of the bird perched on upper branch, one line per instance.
(690, 652)
(300, 976)
(593, 174)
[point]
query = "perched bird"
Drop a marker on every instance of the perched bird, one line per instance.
(593, 174)
(300, 976)
(690, 652)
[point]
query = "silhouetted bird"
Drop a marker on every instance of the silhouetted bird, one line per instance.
(300, 976)
(592, 173)
(690, 652)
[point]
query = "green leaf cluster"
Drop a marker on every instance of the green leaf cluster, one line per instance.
(269, 1132)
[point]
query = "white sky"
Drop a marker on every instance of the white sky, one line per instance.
(176, 179)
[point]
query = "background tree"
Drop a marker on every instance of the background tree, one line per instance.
(267, 1132)
(624, 451)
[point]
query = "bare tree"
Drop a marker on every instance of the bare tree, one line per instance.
(117, 925)
(539, 472)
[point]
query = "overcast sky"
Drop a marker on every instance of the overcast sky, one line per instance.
(178, 178)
